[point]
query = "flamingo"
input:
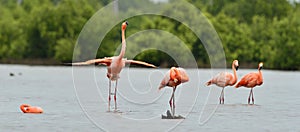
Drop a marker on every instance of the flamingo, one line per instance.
(31, 109)
(251, 80)
(224, 79)
(114, 66)
(173, 78)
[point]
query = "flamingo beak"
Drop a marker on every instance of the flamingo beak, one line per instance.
(124, 25)
(236, 67)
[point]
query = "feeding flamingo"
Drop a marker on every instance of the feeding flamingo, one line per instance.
(31, 109)
(114, 65)
(251, 80)
(173, 78)
(224, 79)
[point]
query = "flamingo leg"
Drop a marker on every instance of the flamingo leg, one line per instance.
(174, 101)
(170, 102)
(222, 96)
(252, 96)
(115, 95)
(109, 91)
(249, 96)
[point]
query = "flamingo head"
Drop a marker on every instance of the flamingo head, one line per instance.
(124, 25)
(260, 65)
(236, 64)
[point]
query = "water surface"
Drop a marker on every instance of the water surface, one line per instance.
(76, 100)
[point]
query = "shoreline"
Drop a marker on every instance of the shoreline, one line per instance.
(41, 62)
(53, 62)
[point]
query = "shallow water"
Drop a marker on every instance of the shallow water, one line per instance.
(75, 99)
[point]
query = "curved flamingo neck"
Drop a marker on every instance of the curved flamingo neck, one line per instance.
(259, 71)
(122, 53)
(175, 75)
(234, 73)
(260, 76)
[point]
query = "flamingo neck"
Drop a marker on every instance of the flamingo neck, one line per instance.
(234, 73)
(122, 53)
(260, 79)
(260, 75)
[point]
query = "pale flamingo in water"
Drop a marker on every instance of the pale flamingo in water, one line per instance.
(173, 78)
(251, 80)
(224, 79)
(114, 65)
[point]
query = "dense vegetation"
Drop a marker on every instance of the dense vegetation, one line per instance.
(251, 31)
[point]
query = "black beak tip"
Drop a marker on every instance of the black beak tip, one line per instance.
(126, 22)
(237, 67)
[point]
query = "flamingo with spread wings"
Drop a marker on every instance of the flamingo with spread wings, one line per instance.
(114, 66)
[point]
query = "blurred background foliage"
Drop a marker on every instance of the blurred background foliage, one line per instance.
(45, 32)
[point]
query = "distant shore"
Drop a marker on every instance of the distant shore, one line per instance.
(31, 61)
(53, 62)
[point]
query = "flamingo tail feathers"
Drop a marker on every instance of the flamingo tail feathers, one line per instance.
(161, 87)
(209, 83)
(237, 85)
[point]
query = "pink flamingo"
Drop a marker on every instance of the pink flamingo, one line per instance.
(251, 80)
(224, 79)
(173, 78)
(114, 65)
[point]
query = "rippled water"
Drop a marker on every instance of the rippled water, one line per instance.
(76, 100)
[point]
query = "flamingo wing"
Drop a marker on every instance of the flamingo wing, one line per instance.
(248, 80)
(103, 61)
(183, 75)
(222, 79)
(219, 79)
(165, 80)
(139, 63)
(229, 77)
